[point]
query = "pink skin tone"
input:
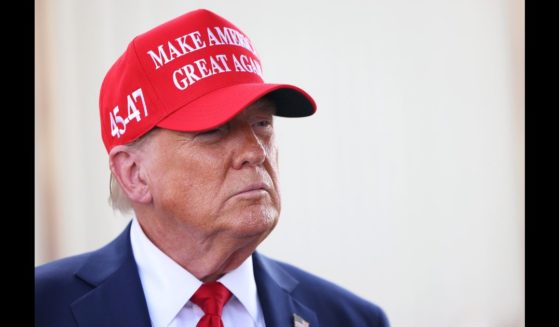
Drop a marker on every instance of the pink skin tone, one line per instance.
(206, 199)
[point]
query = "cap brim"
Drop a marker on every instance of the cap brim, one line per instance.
(217, 107)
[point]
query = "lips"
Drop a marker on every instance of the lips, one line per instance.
(254, 187)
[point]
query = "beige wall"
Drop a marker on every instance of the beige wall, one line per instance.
(407, 186)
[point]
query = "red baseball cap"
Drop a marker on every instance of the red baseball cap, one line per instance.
(192, 73)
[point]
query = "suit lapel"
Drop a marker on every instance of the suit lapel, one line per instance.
(117, 298)
(275, 287)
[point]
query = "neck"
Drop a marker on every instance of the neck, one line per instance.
(206, 258)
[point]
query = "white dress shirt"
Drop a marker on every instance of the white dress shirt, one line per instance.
(168, 288)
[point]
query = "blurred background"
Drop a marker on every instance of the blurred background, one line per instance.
(406, 187)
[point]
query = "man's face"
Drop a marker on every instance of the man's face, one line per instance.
(222, 182)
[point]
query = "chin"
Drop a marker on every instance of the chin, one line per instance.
(256, 224)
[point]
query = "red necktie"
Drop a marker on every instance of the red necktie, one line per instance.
(211, 297)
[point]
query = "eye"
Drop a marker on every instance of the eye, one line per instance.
(264, 123)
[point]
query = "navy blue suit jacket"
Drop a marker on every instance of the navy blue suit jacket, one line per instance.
(103, 288)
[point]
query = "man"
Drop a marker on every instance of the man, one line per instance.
(187, 122)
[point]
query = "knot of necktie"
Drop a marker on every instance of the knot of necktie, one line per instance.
(211, 297)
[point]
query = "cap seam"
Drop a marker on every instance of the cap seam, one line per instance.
(145, 73)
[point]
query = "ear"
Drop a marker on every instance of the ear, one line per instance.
(127, 167)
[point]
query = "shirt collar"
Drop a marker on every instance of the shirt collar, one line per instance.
(168, 286)
(243, 286)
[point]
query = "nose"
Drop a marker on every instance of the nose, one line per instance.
(251, 148)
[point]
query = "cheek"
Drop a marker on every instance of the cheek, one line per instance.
(272, 154)
(273, 167)
(274, 159)
(171, 190)
(190, 185)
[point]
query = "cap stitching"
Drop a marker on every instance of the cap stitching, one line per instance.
(147, 79)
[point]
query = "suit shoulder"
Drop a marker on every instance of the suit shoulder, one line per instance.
(333, 298)
(62, 270)
(59, 272)
(311, 282)
(56, 287)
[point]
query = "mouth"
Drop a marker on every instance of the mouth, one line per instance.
(255, 189)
